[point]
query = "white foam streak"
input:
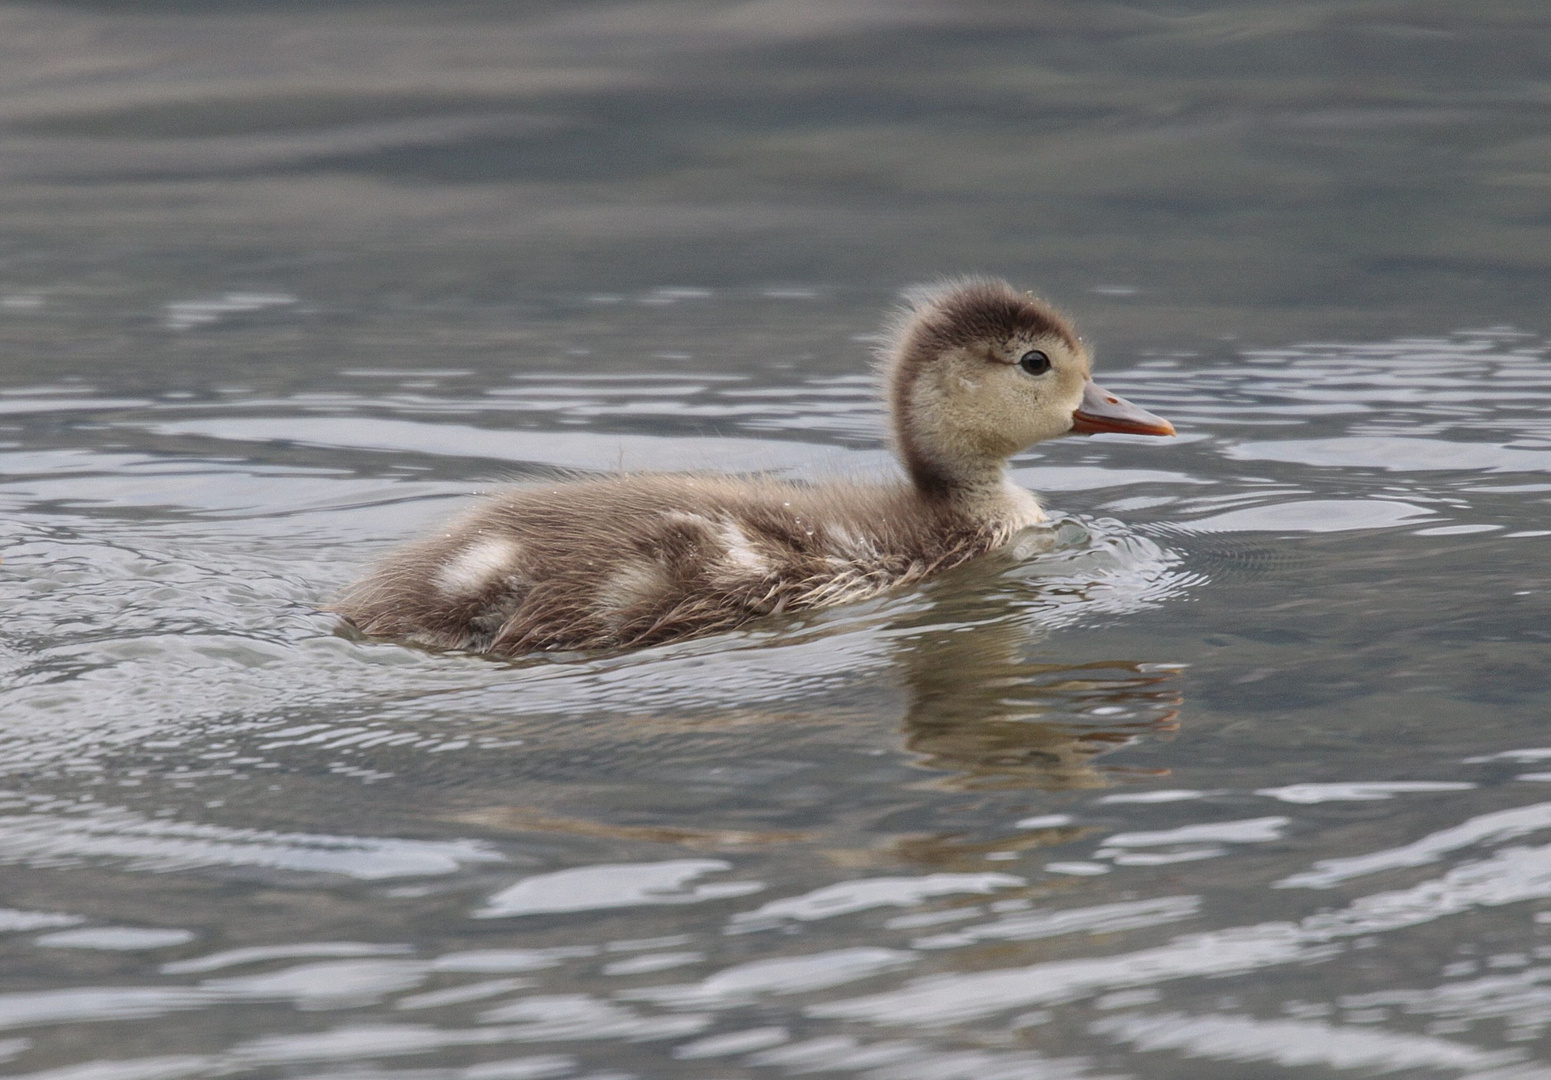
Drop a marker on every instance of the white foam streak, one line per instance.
(946, 999)
(1499, 826)
(1311, 516)
(1510, 876)
(260, 953)
(1293, 1043)
(1099, 919)
(577, 1016)
(1247, 831)
(89, 1003)
(326, 985)
(12, 920)
(850, 896)
(615, 885)
(783, 975)
(1308, 794)
(115, 938)
(1395, 454)
(1521, 999)
(142, 843)
(170, 1067)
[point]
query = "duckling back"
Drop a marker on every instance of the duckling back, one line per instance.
(634, 560)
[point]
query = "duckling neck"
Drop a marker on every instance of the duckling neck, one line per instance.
(980, 491)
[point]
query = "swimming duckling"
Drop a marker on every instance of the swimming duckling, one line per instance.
(974, 374)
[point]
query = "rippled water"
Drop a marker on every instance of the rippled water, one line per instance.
(1236, 769)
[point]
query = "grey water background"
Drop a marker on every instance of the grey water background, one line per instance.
(1238, 769)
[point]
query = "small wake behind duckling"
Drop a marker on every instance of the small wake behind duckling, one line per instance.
(975, 373)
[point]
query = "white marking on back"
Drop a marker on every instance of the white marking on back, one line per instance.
(847, 545)
(741, 552)
(632, 584)
(741, 555)
(477, 565)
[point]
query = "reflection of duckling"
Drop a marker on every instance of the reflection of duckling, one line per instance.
(1024, 727)
(974, 375)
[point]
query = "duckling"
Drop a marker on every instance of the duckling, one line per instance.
(974, 373)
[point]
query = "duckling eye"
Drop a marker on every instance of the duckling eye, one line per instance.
(1035, 362)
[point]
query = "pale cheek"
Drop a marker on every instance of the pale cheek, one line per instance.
(1033, 419)
(1041, 428)
(1005, 429)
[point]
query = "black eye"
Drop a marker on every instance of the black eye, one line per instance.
(1035, 362)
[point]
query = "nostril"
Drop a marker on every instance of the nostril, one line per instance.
(1113, 400)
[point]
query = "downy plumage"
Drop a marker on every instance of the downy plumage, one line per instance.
(974, 374)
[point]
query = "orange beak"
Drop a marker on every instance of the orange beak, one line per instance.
(1102, 411)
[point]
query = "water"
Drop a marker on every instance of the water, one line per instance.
(1236, 769)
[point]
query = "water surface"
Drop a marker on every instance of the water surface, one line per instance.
(1237, 768)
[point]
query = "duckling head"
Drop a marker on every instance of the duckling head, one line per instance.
(978, 372)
